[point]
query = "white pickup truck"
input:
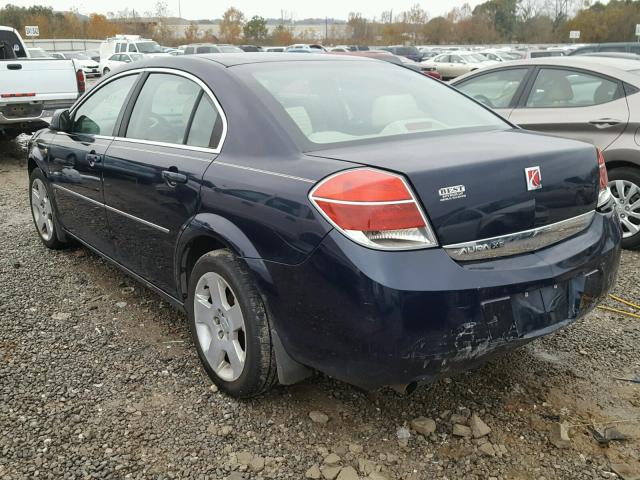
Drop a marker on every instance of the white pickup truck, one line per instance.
(31, 89)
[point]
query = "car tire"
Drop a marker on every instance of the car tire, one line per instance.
(624, 183)
(230, 325)
(105, 72)
(43, 210)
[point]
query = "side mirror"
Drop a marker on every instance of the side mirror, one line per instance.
(60, 121)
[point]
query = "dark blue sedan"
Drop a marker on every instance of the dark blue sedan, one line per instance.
(326, 212)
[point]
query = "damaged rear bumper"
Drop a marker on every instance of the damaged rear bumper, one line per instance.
(375, 318)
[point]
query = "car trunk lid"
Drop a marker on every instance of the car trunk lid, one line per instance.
(474, 186)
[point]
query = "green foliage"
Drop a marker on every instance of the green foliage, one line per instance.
(255, 30)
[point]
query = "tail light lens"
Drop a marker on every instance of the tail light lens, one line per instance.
(605, 194)
(374, 208)
(80, 81)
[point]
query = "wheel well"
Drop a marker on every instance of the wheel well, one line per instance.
(620, 163)
(32, 165)
(196, 248)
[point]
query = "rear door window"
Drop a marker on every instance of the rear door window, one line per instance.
(559, 88)
(163, 109)
(206, 125)
(132, 47)
(495, 89)
(98, 114)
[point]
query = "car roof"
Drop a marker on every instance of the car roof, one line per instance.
(613, 67)
(231, 59)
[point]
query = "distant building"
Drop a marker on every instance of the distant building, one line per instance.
(312, 29)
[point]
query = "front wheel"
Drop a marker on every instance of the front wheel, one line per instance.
(624, 183)
(105, 72)
(42, 210)
(230, 326)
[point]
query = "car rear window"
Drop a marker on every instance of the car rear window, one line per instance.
(336, 102)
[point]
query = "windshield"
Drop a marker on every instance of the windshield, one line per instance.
(149, 47)
(473, 58)
(77, 56)
(343, 101)
(38, 53)
(229, 49)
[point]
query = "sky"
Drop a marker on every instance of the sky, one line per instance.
(203, 9)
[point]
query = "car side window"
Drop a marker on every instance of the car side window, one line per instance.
(163, 109)
(206, 125)
(98, 114)
(188, 50)
(558, 88)
(455, 59)
(442, 59)
(495, 89)
(132, 47)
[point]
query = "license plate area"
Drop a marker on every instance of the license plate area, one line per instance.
(539, 309)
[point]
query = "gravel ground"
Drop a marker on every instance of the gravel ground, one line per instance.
(98, 379)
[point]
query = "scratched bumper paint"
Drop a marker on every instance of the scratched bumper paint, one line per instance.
(376, 318)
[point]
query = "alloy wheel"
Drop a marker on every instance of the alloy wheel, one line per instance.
(41, 209)
(627, 199)
(220, 326)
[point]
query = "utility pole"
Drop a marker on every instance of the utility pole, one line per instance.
(179, 10)
(326, 29)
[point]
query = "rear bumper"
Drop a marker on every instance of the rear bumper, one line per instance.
(375, 318)
(35, 112)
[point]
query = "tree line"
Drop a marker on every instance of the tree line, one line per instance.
(494, 21)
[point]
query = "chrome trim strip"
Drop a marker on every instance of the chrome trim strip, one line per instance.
(520, 242)
(111, 209)
(257, 170)
(156, 152)
(76, 194)
(172, 71)
(348, 202)
(132, 217)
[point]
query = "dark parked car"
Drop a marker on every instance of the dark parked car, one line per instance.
(593, 99)
(379, 226)
(412, 53)
(250, 48)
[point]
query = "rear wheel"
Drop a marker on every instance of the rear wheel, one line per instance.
(42, 210)
(624, 183)
(106, 71)
(230, 326)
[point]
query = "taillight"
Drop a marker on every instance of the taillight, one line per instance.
(604, 194)
(374, 208)
(80, 81)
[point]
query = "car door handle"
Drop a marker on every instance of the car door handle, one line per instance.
(605, 122)
(93, 158)
(172, 177)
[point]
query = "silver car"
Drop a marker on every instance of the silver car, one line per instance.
(593, 99)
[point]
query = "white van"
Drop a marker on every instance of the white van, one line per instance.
(130, 44)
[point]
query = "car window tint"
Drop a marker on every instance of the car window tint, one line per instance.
(334, 102)
(495, 89)
(99, 112)
(163, 108)
(132, 47)
(570, 88)
(442, 59)
(203, 124)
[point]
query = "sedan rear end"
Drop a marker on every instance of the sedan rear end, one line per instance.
(451, 235)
